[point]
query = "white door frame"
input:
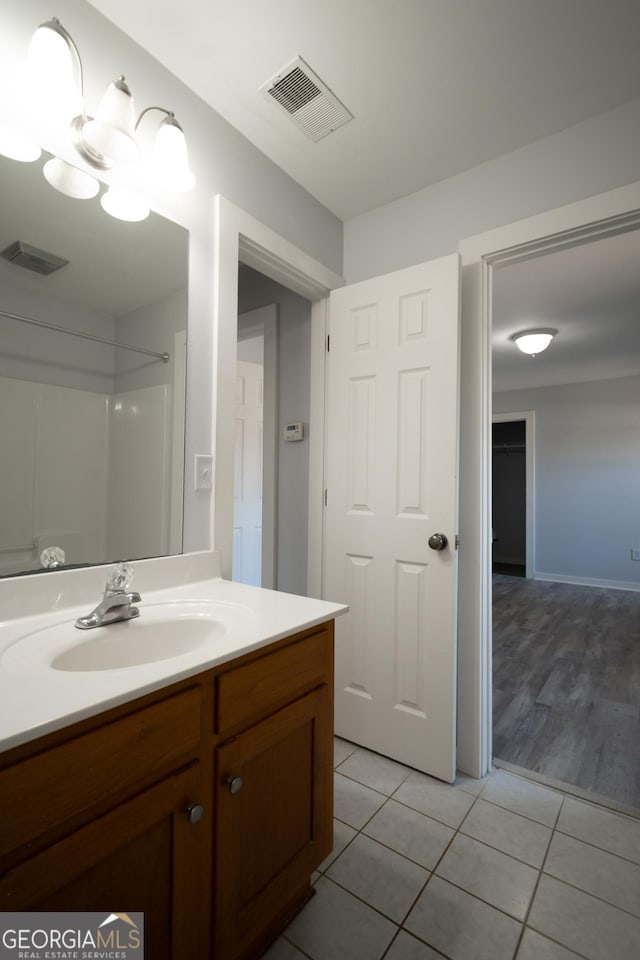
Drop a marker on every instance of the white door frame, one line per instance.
(529, 419)
(176, 511)
(606, 214)
(240, 237)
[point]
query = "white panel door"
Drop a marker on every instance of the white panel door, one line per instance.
(247, 494)
(392, 441)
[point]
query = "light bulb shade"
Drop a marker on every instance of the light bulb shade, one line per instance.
(533, 342)
(111, 135)
(69, 180)
(51, 68)
(15, 146)
(170, 163)
(124, 205)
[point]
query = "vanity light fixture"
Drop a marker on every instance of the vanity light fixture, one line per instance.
(69, 179)
(533, 342)
(15, 146)
(108, 142)
(124, 204)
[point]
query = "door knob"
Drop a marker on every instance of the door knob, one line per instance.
(235, 784)
(194, 813)
(438, 541)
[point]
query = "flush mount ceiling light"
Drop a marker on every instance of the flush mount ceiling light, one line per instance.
(55, 87)
(533, 342)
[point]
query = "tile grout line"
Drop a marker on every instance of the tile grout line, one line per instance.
(596, 846)
(527, 914)
(360, 831)
(302, 952)
(432, 873)
(557, 830)
(459, 831)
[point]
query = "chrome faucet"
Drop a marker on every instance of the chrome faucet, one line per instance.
(117, 601)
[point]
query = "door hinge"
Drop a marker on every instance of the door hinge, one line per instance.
(457, 541)
(328, 342)
(325, 496)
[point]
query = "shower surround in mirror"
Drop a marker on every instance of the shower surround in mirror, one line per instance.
(91, 434)
(88, 472)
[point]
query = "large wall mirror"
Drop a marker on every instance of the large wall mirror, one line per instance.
(91, 432)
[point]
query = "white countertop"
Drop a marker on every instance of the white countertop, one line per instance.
(36, 699)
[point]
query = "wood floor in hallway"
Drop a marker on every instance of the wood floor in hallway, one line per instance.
(566, 684)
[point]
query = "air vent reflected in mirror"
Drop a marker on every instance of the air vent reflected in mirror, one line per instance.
(32, 258)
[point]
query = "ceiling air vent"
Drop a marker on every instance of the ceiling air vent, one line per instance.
(308, 101)
(31, 258)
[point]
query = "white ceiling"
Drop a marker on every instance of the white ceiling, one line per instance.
(457, 81)
(436, 86)
(590, 294)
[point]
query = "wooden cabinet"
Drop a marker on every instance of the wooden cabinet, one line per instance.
(141, 856)
(100, 815)
(97, 817)
(273, 822)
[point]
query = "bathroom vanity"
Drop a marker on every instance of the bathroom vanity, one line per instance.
(205, 802)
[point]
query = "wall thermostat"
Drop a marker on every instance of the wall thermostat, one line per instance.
(294, 431)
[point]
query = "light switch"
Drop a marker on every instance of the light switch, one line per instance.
(203, 471)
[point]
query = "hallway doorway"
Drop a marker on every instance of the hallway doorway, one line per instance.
(566, 638)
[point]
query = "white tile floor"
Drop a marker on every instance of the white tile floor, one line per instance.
(495, 869)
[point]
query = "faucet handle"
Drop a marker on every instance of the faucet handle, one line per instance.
(52, 557)
(120, 578)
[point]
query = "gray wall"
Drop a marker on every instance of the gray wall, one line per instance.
(589, 158)
(46, 356)
(294, 328)
(587, 465)
(152, 327)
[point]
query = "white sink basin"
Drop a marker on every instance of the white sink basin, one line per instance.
(163, 631)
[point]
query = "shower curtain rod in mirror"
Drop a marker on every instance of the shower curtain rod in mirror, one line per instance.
(85, 336)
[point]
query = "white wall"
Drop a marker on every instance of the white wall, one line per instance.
(139, 473)
(294, 358)
(17, 468)
(53, 473)
(223, 162)
(589, 158)
(88, 472)
(71, 472)
(587, 466)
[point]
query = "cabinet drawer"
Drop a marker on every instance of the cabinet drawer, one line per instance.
(56, 785)
(252, 691)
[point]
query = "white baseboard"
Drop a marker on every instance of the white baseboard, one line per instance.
(589, 581)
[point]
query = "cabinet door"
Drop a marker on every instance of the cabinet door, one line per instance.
(144, 855)
(274, 808)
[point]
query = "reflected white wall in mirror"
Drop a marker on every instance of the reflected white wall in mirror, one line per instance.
(90, 433)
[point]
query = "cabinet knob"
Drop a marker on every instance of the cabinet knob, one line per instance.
(235, 784)
(195, 812)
